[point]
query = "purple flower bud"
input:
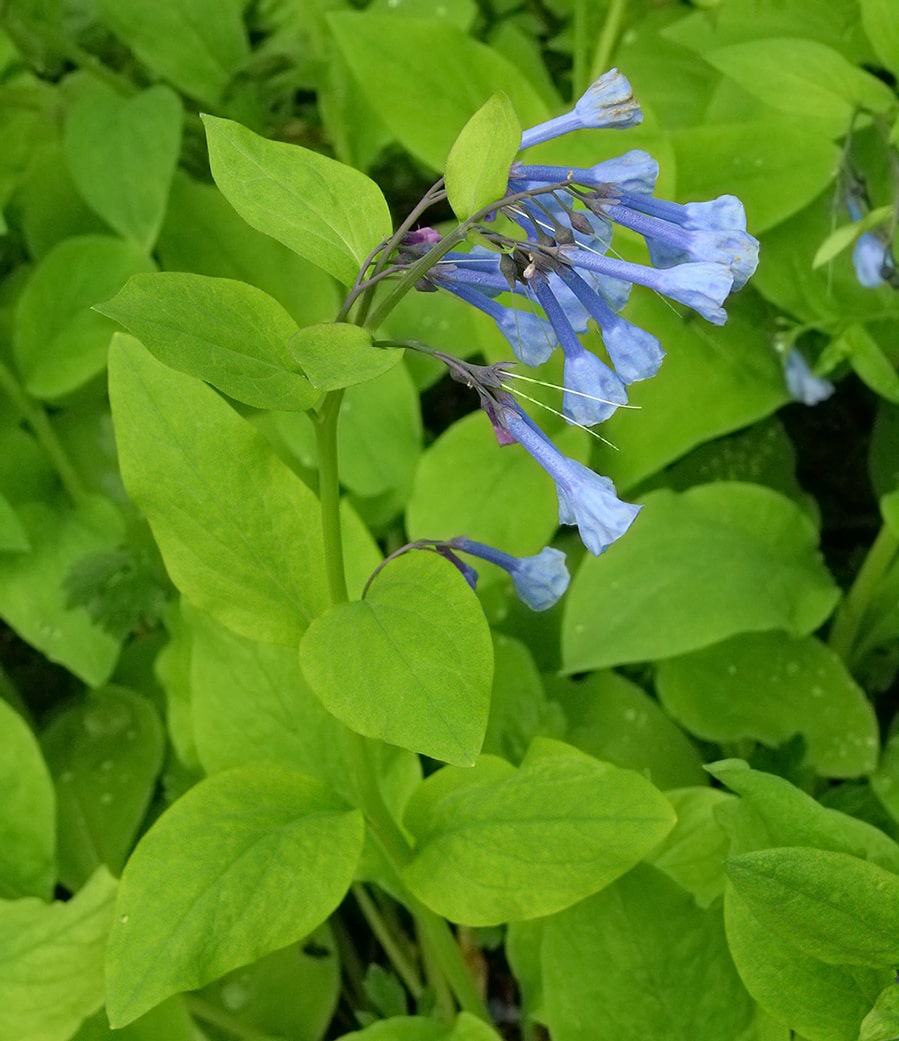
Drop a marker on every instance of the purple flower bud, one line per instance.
(802, 384)
(540, 581)
(586, 499)
(609, 102)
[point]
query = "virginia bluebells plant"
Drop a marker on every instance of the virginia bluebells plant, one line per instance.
(544, 287)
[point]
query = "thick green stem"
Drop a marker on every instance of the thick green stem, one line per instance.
(32, 413)
(325, 421)
(608, 38)
(847, 622)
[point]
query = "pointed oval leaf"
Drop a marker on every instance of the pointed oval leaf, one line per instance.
(122, 153)
(452, 73)
(105, 753)
(477, 167)
(760, 686)
(796, 75)
(820, 1002)
(335, 355)
(246, 862)
(696, 568)
(196, 44)
(410, 664)
(325, 211)
(249, 548)
(834, 907)
(59, 342)
(495, 845)
(228, 333)
(640, 960)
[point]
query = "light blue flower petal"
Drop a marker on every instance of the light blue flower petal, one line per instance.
(801, 382)
(592, 390)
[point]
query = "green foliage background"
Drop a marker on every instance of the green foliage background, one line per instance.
(671, 803)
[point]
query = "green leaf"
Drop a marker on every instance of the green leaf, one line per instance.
(882, 28)
(32, 598)
(696, 568)
(420, 1028)
(227, 333)
(122, 153)
(250, 704)
(495, 844)
(882, 1022)
(105, 753)
(291, 993)
(51, 961)
(28, 822)
(832, 906)
(714, 381)
(477, 167)
(519, 707)
(453, 75)
(795, 75)
(244, 863)
(335, 355)
(868, 359)
(202, 233)
(694, 851)
(615, 720)
(773, 812)
(13, 537)
(326, 212)
(774, 166)
(844, 236)
(58, 341)
(170, 1020)
(760, 686)
(411, 664)
(466, 483)
(197, 45)
(641, 960)
(249, 550)
(819, 1001)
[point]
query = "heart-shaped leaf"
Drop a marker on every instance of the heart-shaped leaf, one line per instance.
(411, 664)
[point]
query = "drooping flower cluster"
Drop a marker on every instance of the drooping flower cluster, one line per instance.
(560, 275)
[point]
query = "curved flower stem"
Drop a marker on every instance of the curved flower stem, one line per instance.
(36, 418)
(325, 423)
(415, 271)
(850, 614)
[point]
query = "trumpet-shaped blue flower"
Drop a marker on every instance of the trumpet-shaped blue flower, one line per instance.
(586, 499)
(591, 389)
(609, 102)
(635, 172)
(540, 581)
